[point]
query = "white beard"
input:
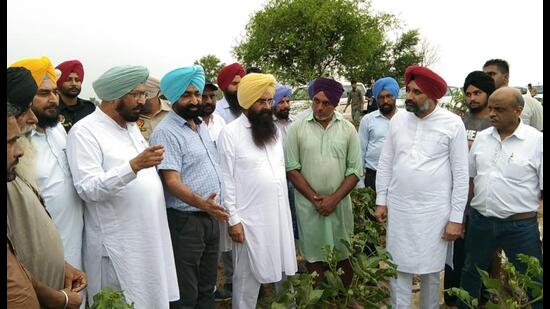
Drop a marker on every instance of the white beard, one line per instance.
(26, 168)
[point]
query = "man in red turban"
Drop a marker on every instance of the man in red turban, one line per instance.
(71, 107)
(228, 81)
(424, 216)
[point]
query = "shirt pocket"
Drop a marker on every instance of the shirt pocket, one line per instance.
(518, 170)
(338, 149)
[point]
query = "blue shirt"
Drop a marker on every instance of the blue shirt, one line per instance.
(372, 133)
(190, 152)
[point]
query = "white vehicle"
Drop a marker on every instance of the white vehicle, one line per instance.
(538, 96)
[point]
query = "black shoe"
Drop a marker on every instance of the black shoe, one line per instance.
(222, 295)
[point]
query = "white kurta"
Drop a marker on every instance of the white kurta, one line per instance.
(256, 195)
(55, 184)
(125, 214)
(423, 180)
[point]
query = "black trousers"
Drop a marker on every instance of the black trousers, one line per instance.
(370, 179)
(195, 237)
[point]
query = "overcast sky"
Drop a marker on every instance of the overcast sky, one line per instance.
(167, 34)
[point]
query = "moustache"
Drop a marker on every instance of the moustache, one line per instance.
(409, 101)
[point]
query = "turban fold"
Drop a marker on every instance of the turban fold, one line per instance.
(385, 83)
(152, 86)
(430, 83)
(281, 91)
(253, 86)
(480, 80)
(175, 82)
(118, 81)
(41, 68)
(227, 73)
(67, 68)
(21, 87)
(332, 89)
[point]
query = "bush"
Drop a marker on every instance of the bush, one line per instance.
(108, 298)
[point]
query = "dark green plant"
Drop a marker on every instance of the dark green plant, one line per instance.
(371, 270)
(509, 291)
(108, 298)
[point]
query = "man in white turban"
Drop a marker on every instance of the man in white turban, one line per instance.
(127, 244)
(255, 193)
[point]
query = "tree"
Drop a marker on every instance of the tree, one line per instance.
(211, 65)
(298, 40)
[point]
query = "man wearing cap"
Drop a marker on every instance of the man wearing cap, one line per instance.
(228, 81)
(127, 243)
(192, 187)
(71, 107)
(506, 185)
(421, 186)
(499, 70)
(154, 109)
(374, 126)
(478, 86)
(255, 193)
(30, 229)
(213, 121)
(324, 139)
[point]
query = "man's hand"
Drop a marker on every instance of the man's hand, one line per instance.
(149, 157)
(326, 204)
(74, 299)
(236, 232)
(214, 209)
(75, 280)
(381, 213)
(453, 231)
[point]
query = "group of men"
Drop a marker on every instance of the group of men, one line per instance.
(419, 164)
(151, 189)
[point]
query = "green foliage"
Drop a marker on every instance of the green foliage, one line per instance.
(297, 40)
(371, 270)
(212, 65)
(108, 298)
(510, 291)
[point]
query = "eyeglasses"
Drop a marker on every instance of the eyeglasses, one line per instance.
(138, 94)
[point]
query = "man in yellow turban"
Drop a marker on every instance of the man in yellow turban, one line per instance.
(255, 193)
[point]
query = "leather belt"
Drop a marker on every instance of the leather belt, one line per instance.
(520, 216)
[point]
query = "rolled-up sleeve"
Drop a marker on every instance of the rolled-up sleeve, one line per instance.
(292, 153)
(353, 158)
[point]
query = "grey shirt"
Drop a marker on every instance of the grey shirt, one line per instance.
(474, 125)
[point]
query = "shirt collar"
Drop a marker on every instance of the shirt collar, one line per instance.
(337, 117)
(520, 132)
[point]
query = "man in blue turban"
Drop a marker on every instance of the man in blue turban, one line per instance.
(192, 187)
(113, 172)
(374, 126)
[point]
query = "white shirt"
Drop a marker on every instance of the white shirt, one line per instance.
(55, 184)
(125, 213)
(223, 110)
(282, 126)
(215, 126)
(507, 174)
(256, 195)
(532, 112)
(422, 178)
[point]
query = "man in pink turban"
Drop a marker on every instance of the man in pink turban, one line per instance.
(71, 107)
(228, 81)
(422, 187)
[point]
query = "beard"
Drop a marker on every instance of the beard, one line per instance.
(386, 109)
(476, 109)
(412, 107)
(26, 167)
(47, 121)
(231, 98)
(282, 114)
(188, 111)
(127, 113)
(72, 92)
(263, 128)
(207, 109)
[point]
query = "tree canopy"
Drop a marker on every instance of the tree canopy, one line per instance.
(212, 65)
(297, 40)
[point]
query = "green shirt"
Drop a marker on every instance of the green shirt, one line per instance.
(324, 157)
